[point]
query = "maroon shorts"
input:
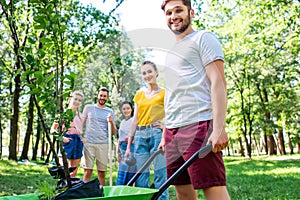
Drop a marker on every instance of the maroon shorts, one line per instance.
(181, 144)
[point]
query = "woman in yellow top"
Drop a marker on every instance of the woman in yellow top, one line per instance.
(146, 128)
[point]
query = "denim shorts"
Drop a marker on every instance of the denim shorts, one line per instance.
(74, 147)
(181, 144)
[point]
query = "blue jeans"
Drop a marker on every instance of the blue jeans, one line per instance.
(123, 147)
(145, 144)
(125, 172)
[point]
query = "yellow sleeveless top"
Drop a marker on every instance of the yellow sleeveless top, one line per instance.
(149, 109)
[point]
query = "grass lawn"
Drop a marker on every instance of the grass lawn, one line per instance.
(262, 178)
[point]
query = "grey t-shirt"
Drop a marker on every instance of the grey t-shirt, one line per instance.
(96, 130)
(187, 98)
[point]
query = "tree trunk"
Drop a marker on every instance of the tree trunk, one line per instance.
(43, 150)
(256, 145)
(46, 131)
(65, 164)
(44, 124)
(24, 154)
(281, 142)
(272, 145)
(228, 150)
(290, 143)
(14, 121)
(37, 141)
(1, 131)
(298, 143)
(50, 151)
(242, 151)
(231, 147)
(266, 145)
(248, 148)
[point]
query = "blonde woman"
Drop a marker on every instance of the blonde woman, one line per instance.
(72, 143)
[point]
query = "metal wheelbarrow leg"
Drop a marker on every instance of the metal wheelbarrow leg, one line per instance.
(145, 165)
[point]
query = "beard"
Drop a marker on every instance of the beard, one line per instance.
(185, 24)
(101, 102)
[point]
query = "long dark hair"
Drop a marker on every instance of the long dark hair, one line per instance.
(130, 104)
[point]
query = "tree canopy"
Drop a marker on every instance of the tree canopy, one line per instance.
(49, 48)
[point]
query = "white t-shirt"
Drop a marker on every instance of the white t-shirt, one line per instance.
(124, 129)
(187, 98)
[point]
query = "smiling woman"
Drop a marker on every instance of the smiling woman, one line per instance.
(147, 134)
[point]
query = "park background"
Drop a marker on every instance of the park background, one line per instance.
(51, 47)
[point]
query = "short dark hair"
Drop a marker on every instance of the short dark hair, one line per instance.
(187, 3)
(104, 89)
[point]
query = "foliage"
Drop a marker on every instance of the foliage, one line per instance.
(44, 44)
(63, 120)
(261, 45)
(108, 66)
(47, 190)
(49, 48)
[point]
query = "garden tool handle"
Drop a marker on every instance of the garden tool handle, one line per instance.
(198, 154)
(145, 165)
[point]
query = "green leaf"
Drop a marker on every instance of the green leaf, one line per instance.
(39, 27)
(45, 40)
(69, 82)
(32, 86)
(30, 59)
(38, 75)
(34, 91)
(49, 78)
(31, 40)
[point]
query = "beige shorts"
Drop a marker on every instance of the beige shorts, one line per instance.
(92, 152)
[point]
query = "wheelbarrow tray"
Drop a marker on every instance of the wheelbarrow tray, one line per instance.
(126, 192)
(110, 192)
(129, 192)
(21, 197)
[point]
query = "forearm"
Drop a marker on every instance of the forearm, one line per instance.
(118, 146)
(130, 139)
(83, 120)
(219, 104)
(113, 128)
(131, 134)
(215, 73)
(132, 128)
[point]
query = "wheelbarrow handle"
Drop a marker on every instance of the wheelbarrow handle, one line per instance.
(142, 169)
(198, 154)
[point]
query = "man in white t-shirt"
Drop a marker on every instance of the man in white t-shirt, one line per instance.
(195, 105)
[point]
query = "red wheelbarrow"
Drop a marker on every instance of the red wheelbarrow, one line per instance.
(129, 192)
